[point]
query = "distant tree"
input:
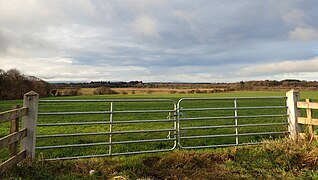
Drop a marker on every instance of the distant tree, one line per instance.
(242, 84)
(104, 90)
(54, 92)
(13, 84)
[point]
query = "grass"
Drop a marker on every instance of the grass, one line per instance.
(119, 148)
(280, 159)
(123, 148)
(119, 106)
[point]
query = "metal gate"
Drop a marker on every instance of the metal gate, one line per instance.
(69, 129)
(221, 122)
(114, 127)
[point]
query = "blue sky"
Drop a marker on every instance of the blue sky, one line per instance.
(160, 40)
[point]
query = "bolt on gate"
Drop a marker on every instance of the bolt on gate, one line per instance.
(71, 129)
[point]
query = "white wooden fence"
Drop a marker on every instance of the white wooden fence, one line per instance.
(26, 135)
(295, 118)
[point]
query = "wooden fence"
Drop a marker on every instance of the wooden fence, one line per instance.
(26, 135)
(309, 120)
(294, 115)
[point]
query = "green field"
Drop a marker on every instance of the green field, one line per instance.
(166, 124)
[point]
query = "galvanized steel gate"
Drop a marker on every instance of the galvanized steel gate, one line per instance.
(159, 125)
(227, 121)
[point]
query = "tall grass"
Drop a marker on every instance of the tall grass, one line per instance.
(279, 159)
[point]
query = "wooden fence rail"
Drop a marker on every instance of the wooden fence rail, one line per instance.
(309, 120)
(294, 118)
(13, 114)
(26, 135)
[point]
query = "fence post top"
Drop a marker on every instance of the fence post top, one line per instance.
(292, 91)
(31, 93)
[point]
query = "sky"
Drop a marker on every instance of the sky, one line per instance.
(160, 40)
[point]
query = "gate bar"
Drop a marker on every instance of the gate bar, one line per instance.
(232, 117)
(232, 98)
(103, 122)
(110, 128)
(104, 112)
(233, 108)
(233, 126)
(232, 135)
(104, 143)
(103, 133)
(236, 122)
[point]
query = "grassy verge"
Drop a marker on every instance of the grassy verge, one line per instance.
(280, 159)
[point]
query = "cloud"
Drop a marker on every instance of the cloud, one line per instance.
(4, 44)
(154, 40)
(304, 34)
(65, 69)
(21, 13)
(295, 17)
(300, 22)
(146, 26)
(283, 67)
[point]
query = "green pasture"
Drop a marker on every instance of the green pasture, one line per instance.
(167, 124)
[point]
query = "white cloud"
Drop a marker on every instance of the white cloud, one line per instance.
(64, 69)
(283, 67)
(146, 26)
(196, 77)
(21, 13)
(304, 34)
(76, 36)
(141, 5)
(64, 60)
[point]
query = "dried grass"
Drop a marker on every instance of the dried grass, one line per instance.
(279, 159)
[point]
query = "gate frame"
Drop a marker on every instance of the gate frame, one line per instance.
(235, 117)
(111, 122)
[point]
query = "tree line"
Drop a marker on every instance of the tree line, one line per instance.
(14, 84)
(96, 84)
(284, 84)
(242, 85)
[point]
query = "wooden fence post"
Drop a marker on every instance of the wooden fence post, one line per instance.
(13, 148)
(293, 113)
(309, 118)
(29, 121)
